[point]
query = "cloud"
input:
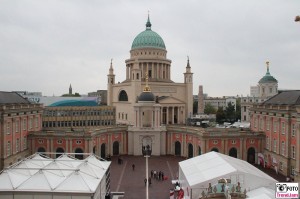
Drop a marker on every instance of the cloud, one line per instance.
(46, 45)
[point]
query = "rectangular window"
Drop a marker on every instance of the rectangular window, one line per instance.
(293, 130)
(282, 148)
(8, 128)
(260, 124)
(292, 171)
(293, 152)
(8, 148)
(274, 146)
(245, 108)
(280, 166)
(17, 144)
(268, 124)
(30, 123)
(25, 142)
(255, 123)
(275, 126)
(24, 124)
(17, 125)
(267, 142)
(282, 127)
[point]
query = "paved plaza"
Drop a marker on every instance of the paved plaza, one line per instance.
(124, 179)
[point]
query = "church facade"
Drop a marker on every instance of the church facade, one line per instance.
(148, 56)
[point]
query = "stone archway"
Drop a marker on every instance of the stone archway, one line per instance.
(94, 150)
(41, 150)
(215, 149)
(199, 150)
(59, 152)
(251, 155)
(190, 151)
(103, 151)
(178, 148)
(116, 148)
(79, 153)
(233, 152)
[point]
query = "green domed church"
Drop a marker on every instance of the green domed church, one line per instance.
(168, 102)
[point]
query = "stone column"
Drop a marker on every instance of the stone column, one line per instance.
(167, 115)
(172, 114)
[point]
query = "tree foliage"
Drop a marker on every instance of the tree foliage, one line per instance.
(230, 113)
(220, 115)
(209, 109)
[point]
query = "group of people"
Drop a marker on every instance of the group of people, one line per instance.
(158, 175)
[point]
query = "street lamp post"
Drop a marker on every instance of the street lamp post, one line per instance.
(146, 150)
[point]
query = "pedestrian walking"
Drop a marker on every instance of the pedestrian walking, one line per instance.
(145, 180)
(149, 180)
(151, 173)
(133, 167)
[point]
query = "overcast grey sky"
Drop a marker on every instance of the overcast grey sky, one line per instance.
(47, 44)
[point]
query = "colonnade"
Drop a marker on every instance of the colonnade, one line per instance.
(155, 70)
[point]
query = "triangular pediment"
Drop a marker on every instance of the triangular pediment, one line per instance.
(169, 100)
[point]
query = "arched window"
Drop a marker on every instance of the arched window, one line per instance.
(59, 152)
(137, 76)
(79, 153)
(123, 96)
(233, 152)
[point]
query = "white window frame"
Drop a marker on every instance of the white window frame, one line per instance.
(30, 123)
(282, 148)
(17, 145)
(267, 142)
(293, 152)
(268, 123)
(24, 124)
(17, 125)
(275, 145)
(275, 126)
(293, 130)
(282, 128)
(25, 142)
(8, 148)
(7, 127)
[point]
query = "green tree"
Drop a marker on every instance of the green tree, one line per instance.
(238, 109)
(220, 115)
(230, 112)
(209, 109)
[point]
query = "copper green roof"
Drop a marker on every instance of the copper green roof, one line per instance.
(148, 38)
(268, 78)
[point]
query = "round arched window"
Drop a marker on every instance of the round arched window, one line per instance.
(123, 96)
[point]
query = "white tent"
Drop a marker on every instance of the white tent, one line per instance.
(64, 177)
(196, 173)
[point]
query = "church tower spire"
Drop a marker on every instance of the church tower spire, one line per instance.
(110, 83)
(148, 24)
(70, 90)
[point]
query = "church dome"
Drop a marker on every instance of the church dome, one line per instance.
(148, 38)
(268, 78)
(146, 97)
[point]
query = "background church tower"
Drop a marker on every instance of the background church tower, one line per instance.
(110, 83)
(188, 80)
(70, 90)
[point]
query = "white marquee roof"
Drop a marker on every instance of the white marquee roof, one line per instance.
(197, 172)
(64, 174)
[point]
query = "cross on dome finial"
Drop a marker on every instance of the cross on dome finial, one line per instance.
(267, 63)
(148, 24)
